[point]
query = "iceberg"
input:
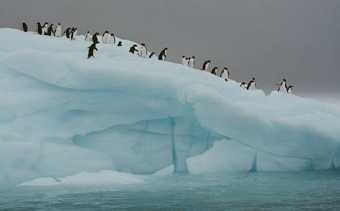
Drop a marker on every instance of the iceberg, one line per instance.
(62, 114)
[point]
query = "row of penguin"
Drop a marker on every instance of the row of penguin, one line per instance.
(142, 51)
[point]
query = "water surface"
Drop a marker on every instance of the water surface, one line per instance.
(241, 191)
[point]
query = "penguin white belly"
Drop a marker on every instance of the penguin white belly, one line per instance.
(252, 86)
(282, 88)
(225, 76)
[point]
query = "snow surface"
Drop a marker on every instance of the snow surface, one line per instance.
(62, 114)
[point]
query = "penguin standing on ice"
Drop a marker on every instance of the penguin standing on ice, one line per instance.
(214, 71)
(92, 50)
(68, 33)
(74, 33)
(105, 37)
(251, 84)
(143, 51)
(282, 86)
(184, 61)
(95, 38)
(225, 74)
(88, 36)
(134, 49)
(192, 62)
(24, 27)
(290, 89)
(50, 30)
(162, 56)
(120, 44)
(206, 65)
(39, 28)
(45, 29)
(58, 30)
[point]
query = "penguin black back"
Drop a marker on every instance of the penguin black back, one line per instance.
(152, 54)
(95, 38)
(24, 27)
(39, 29)
(92, 48)
(214, 71)
(204, 67)
(250, 83)
(162, 55)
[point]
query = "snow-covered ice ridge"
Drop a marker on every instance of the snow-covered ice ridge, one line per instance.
(62, 114)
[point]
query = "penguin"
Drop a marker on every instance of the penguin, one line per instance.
(88, 36)
(187, 61)
(214, 71)
(74, 33)
(105, 37)
(39, 28)
(206, 65)
(225, 74)
(134, 49)
(45, 28)
(282, 86)
(68, 33)
(92, 50)
(120, 44)
(243, 85)
(24, 27)
(184, 61)
(290, 89)
(152, 54)
(58, 30)
(163, 54)
(50, 30)
(192, 62)
(251, 84)
(95, 38)
(143, 51)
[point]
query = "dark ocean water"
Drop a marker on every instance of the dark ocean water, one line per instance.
(241, 191)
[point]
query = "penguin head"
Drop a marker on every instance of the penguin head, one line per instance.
(193, 57)
(253, 79)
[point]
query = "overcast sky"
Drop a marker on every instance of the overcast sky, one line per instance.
(268, 39)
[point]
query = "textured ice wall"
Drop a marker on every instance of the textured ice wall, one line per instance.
(62, 114)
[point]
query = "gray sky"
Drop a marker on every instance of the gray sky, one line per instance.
(268, 39)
